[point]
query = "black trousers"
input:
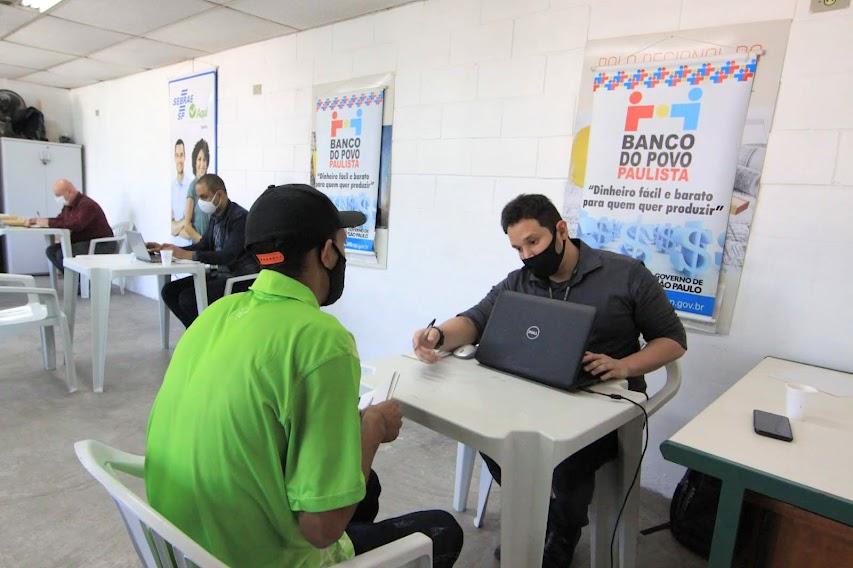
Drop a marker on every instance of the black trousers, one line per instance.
(54, 251)
(572, 487)
(179, 295)
(439, 526)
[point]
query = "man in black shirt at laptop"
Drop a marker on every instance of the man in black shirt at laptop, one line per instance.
(222, 246)
(629, 302)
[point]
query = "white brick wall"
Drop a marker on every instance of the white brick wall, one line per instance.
(465, 193)
(829, 37)
(551, 31)
(615, 18)
(551, 115)
(490, 41)
(554, 157)
(514, 77)
(374, 59)
(513, 157)
(805, 102)
(801, 156)
(563, 73)
(448, 84)
(425, 49)
(445, 157)
(506, 9)
(352, 34)
(844, 166)
(480, 119)
(702, 14)
(417, 122)
(485, 93)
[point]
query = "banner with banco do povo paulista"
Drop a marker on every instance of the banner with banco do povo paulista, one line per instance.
(663, 150)
(346, 157)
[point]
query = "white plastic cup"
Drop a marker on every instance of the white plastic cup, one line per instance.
(166, 257)
(798, 398)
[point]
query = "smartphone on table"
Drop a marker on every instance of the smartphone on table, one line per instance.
(772, 425)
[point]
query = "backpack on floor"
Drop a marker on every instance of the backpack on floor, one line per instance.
(693, 511)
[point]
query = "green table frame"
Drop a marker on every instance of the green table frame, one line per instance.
(736, 479)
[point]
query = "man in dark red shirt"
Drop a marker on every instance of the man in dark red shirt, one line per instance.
(82, 216)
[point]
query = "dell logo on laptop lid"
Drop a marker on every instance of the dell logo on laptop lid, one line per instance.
(532, 332)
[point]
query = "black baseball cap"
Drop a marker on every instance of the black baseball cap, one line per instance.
(294, 211)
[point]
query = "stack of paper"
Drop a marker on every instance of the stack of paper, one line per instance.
(13, 220)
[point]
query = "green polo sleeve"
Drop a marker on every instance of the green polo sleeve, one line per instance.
(322, 468)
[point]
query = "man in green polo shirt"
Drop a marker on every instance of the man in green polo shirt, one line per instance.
(255, 444)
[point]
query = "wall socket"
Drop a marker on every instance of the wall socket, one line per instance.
(259, 88)
(828, 5)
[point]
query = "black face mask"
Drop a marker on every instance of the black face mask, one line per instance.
(336, 278)
(547, 262)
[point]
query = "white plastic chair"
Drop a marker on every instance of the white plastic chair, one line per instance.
(229, 284)
(42, 311)
(605, 477)
(120, 238)
(160, 544)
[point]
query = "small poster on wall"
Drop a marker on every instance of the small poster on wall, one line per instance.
(346, 155)
(192, 128)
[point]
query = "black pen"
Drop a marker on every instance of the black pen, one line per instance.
(428, 327)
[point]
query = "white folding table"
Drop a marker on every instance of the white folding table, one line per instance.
(526, 427)
(101, 269)
(64, 239)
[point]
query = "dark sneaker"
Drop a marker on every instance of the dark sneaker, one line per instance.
(559, 551)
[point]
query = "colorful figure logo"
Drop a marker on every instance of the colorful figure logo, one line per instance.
(353, 124)
(688, 112)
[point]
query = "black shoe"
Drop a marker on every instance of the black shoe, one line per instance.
(559, 551)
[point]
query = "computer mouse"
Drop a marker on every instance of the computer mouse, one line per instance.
(465, 351)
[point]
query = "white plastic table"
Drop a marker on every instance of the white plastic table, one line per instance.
(101, 269)
(64, 239)
(813, 472)
(526, 427)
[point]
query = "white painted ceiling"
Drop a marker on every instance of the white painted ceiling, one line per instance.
(80, 42)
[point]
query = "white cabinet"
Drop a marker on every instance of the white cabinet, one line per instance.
(29, 169)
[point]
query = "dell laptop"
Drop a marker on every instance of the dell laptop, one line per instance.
(539, 339)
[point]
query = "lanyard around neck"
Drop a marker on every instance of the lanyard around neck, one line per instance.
(565, 296)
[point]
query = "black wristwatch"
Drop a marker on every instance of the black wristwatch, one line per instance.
(440, 341)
